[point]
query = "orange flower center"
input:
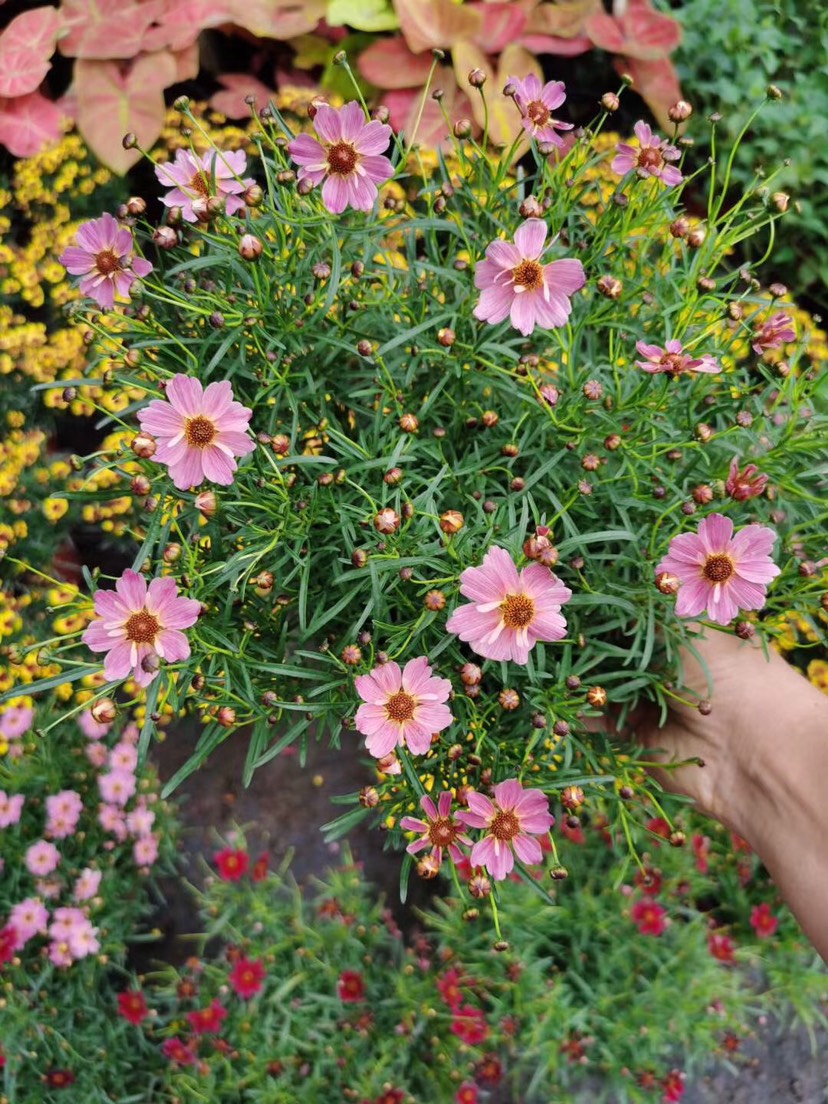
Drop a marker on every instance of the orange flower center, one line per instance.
(528, 274)
(650, 158)
(505, 826)
(199, 431)
(718, 568)
(142, 627)
(342, 158)
(200, 185)
(538, 112)
(106, 262)
(517, 611)
(442, 832)
(400, 707)
(672, 362)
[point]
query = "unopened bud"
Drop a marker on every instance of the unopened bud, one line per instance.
(206, 503)
(462, 128)
(452, 521)
(680, 111)
(609, 286)
(409, 423)
(667, 583)
(597, 696)
(477, 78)
(446, 337)
(250, 248)
(387, 521)
(144, 445)
(610, 101)
(531, 208)
(696, 237)
(104, 711)
(780, 200)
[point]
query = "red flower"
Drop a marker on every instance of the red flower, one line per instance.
(8, 942)
(449, 985)
(351, 987)
(701, 850)
(467, 1094)
(673, 1086)
(231, 864)
(207, 1021)
(574, 835)
(390, 1096)
(469, 1024)
(59, 1079)
(763, 922)
(721, 947)
(132, 1005)
(2, 1058)
(260, 867)
(648, 880)
(247, 977)
(177, 1051)
(649, 917)
(489, 1070)
(659, 827)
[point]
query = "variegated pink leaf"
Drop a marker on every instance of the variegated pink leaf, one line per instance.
(26, 48)
(29, 123)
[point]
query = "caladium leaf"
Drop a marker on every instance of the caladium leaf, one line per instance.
(427, 24)
(26, 48)
(29, 123)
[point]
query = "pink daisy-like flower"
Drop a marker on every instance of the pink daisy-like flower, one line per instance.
(145, 850)
(11, 808)
(510, 610)
(199, 431)
(510, 822)
(193, 180)
(721, 572)
(137, 623)
(86, 886)
(649, 158)
(672, 360)
(402, 707)
(15, 721)
(29, 918)
(104, 259)
(536, 102)
(745, 484)
(515, 284)
(42, 858)
(778, 330)
(439, 831)
(347, 158)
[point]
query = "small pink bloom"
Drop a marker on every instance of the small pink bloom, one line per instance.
(773, 333)
(510, 821)
(536, 102)
(42, 858)
(136, 623)
(92, 729)
(60, 953)
(516, 285)
(745, 484)
(649, 158)
(11, 808)
(194, 179)
(672, 360)
(86, 886)
(117, 787)
(103, 258)
(402, 707)
(62, 812)
(139, 822)
(15, 721)
(510, 611)
(49, 888)
(348, 157)
(29, 917)
(83, 940)
(762, 920)
(722, 948)
(123, 757)
(96, 754)
(439, 831)
(199, 431)
(145, 850)
(649, 917)
(112, 819)
(720, 572)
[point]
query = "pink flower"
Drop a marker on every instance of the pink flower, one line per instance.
(139, 822)
(347, 158)
(42, 858)
(145, 850)
(84, 940)
(438, 832)
(649, 158)
(123, 757)
(195, 179)
(112, 819)
(16, 721)
(200, 431)
(86, 886)
(649, 917)
(117, 787)
(745, 484)
(92, 729)
(103, 258)
(62, 812)
(60, 953)
(508, 821)
(762, 920)
(510, 611)
(11, 808)
(96, 754)
(136, 625)
(722, 948)
(402, 707)
(29, 918)
(516, 285)
(672, 360)
(775, 332)
(536, 103)
(719, 572)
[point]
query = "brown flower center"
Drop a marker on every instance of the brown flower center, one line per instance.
(505, 826)
(650, 158)
(718, 568)
(538, 112)
(400, 707)
(342, 158)
(107, 262)
(142, 627)
(199, 431)
(442, 832)
(528, 274)
(200, 185)
(672, 362)
(517, 611)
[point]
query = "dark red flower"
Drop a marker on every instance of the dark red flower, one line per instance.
(449, 986)
(467, 1094)
(763, 922)
(649, 917)
(260, 867)
(469, 1024)
(59, 1078)
(489, 1070)
(351, 987)
(8, 943)
(207, 1021)
(659, 827)
(648, 880)
(231, 864)
(178, 1052)
(2, 1058)
(247, 977)
(701, 851)
(673, 1086)
(390, 1096)
(721, 948)
(745, 484)
(132, 1005)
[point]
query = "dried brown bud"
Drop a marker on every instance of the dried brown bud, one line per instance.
(597, 696)
(409, 423)
(609, 286)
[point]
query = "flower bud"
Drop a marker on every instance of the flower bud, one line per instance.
(129, 141)
(702, 494)
(165, 237)
(696, 237)
(428, 867)
(477, 78)
(253, 196)
(593, 390)
(387, 521)
(745, 630)
(462, 128)
(140, 486)
(351, 655)
(780, 200)
(612, 442)
(144, 445)
(409, 423)
(250, 248)
(136, 206)
(452, 521)
(667, 583)
(680, 228)
(609, 287)
(680, 111)
(172, 553)
(489, 418)
(703, 432)
(104, 711)
(471, 674)
(597, 696)
(369, 797)
(206, 503)
(435, 601)
(359, 557)
(531, 208)
(610, 101)
(226, 716)
(393, 477)
(572, 797)
(509, 699)
(479, 886)
(446, 337)
(774, 92)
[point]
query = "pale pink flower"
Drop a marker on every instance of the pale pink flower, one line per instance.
(510, 821)
(86, 886)
(672, 360)
(84, 940)
(139, 822)
(113, 819)
(536, 102)
(402, 707)
(104, 259)
(136, 625)
(745, 484)
(62, 812)
(347, 157)
(42, 858)
(15, 721)
(117, 787)
(92, 729)
(649, 158)
(123, 757)
(145, 850)
(516, 285)
(439, 831)
(49, 888)
(11, 808)
(96, 754)
(131, 733)
(194, 179)
(720, 572)
(510, 611)
(199, 431)
(66, 921)
(29, 918)
(60, 953)
(773, 333)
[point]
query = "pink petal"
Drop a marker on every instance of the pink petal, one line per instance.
(692, 598)
(172, 645)
(160, 419)
(494, 304)
(389, 677)
(565, 276)
(527, 849)
(434, 718)
(417, 738)
(530, 237)
(384, 740)
(373, 138)
(335, 194)
(508, 793)
(118, 663)
(370, 690)
(714, 532)
(416, 674)
(504, 255)
(185, 394)
(187, 472)
(523, 314)
(132, 588)
(218, 466)
(328, 122)
(481, 806)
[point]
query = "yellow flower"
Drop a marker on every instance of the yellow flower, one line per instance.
(55, 508)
